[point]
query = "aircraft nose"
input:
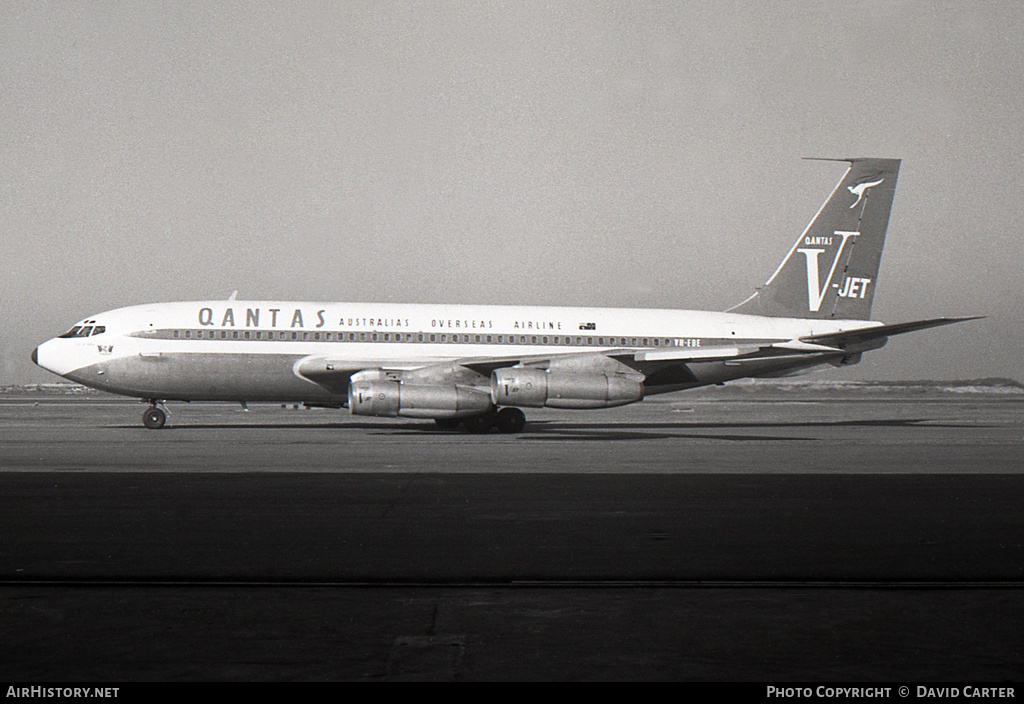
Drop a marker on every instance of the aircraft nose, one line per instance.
(54, 357)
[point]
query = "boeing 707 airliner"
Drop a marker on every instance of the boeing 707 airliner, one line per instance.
(478, 366)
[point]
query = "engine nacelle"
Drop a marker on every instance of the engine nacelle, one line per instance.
(535, 388)
(391, 398)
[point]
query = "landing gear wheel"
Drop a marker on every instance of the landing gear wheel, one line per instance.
(447, 423)
(154, 418)
(511, 420)
(479, 424)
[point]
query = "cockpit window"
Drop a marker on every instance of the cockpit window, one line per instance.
(84, 331)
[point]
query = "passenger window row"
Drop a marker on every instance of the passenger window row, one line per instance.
(414, 337)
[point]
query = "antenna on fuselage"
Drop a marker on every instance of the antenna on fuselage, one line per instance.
(234, 295)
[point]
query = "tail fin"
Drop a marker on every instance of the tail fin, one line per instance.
(832, 269)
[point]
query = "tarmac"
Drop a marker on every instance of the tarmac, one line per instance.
(787, 535)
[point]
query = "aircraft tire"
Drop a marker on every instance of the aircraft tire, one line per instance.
(154, 418)
(479, 424)
(511, 420)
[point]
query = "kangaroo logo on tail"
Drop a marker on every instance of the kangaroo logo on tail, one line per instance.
(859, 189)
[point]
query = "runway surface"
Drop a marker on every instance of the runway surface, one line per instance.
(728, 535)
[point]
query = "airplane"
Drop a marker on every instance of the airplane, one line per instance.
(477, 366)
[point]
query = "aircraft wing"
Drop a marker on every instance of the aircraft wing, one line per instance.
(334, 374)
(665, 363)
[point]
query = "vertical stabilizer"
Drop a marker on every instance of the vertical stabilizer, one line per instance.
(832, 270)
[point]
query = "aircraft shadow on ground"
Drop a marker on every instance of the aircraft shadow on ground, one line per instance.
(542, 430)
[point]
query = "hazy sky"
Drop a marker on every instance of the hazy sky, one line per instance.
(558, 153)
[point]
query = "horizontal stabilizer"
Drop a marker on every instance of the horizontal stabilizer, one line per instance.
(880, 331)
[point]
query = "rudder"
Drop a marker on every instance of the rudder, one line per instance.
(832, 269)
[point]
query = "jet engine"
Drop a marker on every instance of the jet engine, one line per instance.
(535, 388)
(392, 398)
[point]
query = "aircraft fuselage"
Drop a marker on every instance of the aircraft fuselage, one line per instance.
(284, 351)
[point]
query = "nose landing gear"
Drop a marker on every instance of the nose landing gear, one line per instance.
(154, 418)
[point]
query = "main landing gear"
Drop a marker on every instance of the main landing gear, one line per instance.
(507, 420)
(154, 418)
